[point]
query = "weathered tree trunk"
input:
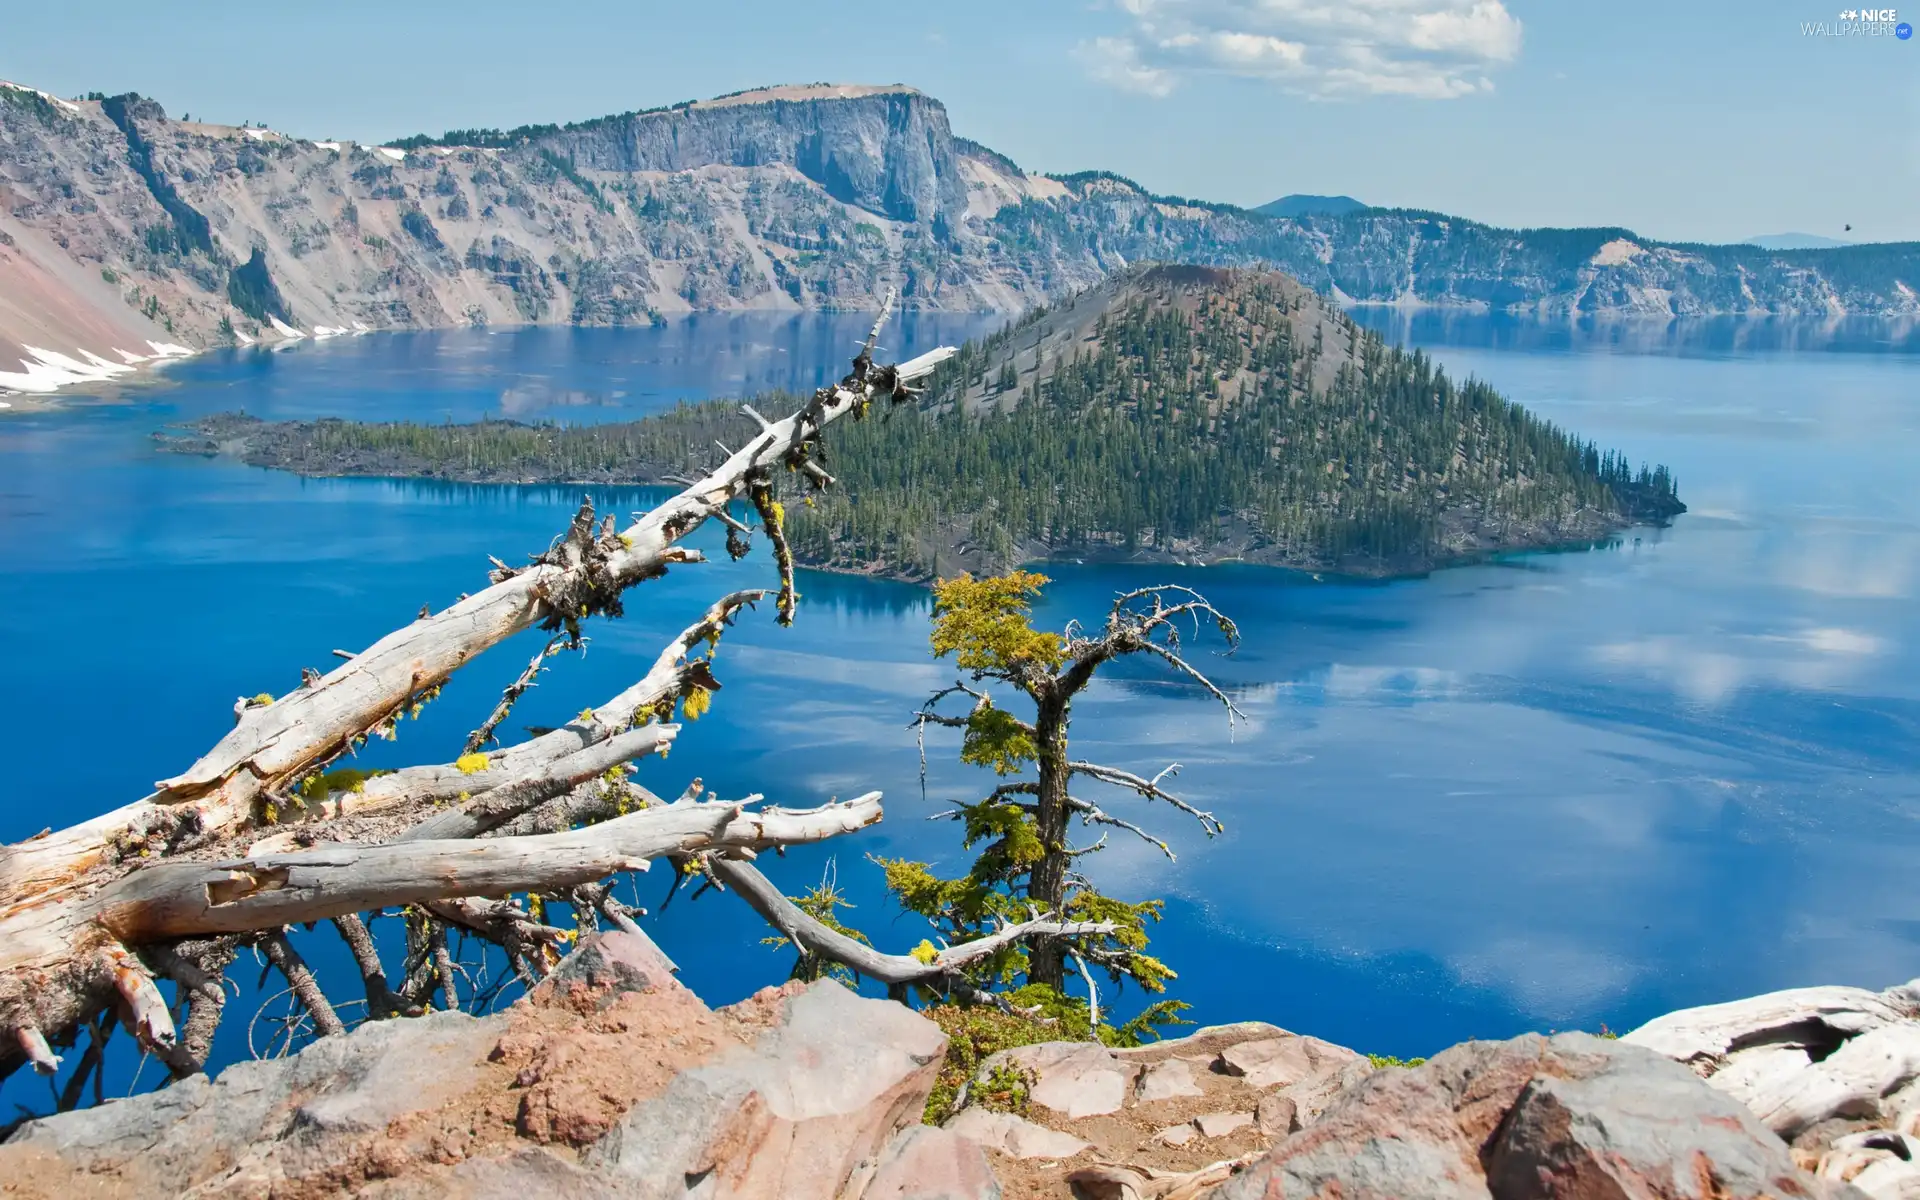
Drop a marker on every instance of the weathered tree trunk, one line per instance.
(1047, 957)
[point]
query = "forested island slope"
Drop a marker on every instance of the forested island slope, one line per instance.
(1172, 413)
(126, 224)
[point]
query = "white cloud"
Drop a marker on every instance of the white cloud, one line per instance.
(1116, 62)
(1424, 49)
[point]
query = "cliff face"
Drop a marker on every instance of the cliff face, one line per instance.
(887, 150)
(120, 226)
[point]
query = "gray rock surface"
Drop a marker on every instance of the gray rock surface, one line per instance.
(926, 1163)
(1567, 1116)
(1012, 1135)
(276, 1118)
(1075, 1079)
(1166, 1081)
(811, 1104)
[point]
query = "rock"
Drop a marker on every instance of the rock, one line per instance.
(926, 1163)
(1166, 1080)
(1571, 1116)
(1633, 1126)
(1277, 1115)
(1013, 1135)
(612, 964)
(1220, 1124)
(320, 1113)
(813, 1102)
(1285, 1061)
(1178, 1135)
(1075, 1079)
(1203, 1044)
(523, 1175)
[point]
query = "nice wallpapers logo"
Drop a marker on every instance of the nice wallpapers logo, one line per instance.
(1860, 23)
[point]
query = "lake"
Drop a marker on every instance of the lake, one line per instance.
(1555, 791)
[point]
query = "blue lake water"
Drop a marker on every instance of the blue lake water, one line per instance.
(1555, 791)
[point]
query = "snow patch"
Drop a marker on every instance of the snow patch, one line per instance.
(169, 350)
(285, 330)
(81, 372)
(130, 356)
(111, 368)
(390, 152)
(327, 145)
(49, 370)
(66, 106)
(244, 339)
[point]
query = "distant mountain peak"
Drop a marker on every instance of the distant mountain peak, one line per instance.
(1301, 205)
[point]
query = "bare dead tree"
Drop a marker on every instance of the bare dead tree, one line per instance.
(259, 834)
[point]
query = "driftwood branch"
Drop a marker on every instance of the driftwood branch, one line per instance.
(1802, 1056)
(299, 976)
(813, 937)
(185, 898)
(484, 734)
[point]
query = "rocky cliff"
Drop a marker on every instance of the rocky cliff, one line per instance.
(120, 224)
(612, 1080)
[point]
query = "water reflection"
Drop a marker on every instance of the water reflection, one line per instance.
(1721, 336)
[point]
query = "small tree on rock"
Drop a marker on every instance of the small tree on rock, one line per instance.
(1027, 866)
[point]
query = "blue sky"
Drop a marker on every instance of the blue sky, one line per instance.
(1683, 119)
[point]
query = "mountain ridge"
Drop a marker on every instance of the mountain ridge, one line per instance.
(1302, 205)
(797, 197)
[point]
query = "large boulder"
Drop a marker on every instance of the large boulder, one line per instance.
(798, 1115)
(1570, 1116)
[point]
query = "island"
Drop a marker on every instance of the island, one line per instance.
(1169, 414)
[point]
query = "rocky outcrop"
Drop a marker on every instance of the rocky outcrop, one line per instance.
(796, 197)
(888, 150)
(612, 1080)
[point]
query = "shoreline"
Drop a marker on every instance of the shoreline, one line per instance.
(1596, 531)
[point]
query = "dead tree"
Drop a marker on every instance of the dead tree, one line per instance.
(259, 834)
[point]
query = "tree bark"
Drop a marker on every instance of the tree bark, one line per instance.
(1047, 884)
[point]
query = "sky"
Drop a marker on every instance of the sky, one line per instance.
(1688, 120)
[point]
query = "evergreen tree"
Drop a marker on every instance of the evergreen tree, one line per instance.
(1026, 862)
